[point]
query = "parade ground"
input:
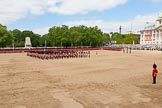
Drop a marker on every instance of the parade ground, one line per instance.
(106, 79)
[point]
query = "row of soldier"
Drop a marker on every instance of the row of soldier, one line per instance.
(59, 54)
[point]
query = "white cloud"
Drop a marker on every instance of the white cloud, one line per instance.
(13, 10)
(41, 31)
(83, 6)
(136, 24)
(156, 1)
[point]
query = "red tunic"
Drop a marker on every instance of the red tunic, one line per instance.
(154, 72)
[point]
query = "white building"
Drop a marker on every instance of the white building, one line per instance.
(152, 35)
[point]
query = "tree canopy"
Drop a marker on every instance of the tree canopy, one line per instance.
(124, 38)
(6, 37)
(76, 36)
(63, 36)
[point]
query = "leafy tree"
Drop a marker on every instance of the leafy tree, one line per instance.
(35, 38)
(6, 37)
(57, 36)
(123, 38)
(18, 40)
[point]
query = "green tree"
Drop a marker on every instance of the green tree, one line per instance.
(6, 37)
(35, 38)
(122, 38)
(18, 40)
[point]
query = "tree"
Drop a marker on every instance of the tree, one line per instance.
(57, 36)
(35, 38)
(6, 37)
(122, 38)
(18, 40)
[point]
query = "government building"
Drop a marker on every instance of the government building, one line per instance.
(152, 35)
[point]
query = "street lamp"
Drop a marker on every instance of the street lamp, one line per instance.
(61, 44)
(45, 43)
(13, 44)
(110, 36)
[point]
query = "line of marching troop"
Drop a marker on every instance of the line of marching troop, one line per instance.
(59, 54)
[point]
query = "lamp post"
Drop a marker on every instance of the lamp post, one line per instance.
(13, 44)
(110, 36)
(45, 44)
(81, 44)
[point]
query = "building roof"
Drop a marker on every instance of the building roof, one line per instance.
(154, 27)
(160, 27)
(159, 19)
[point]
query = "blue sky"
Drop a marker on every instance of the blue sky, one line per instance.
(108, 15)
